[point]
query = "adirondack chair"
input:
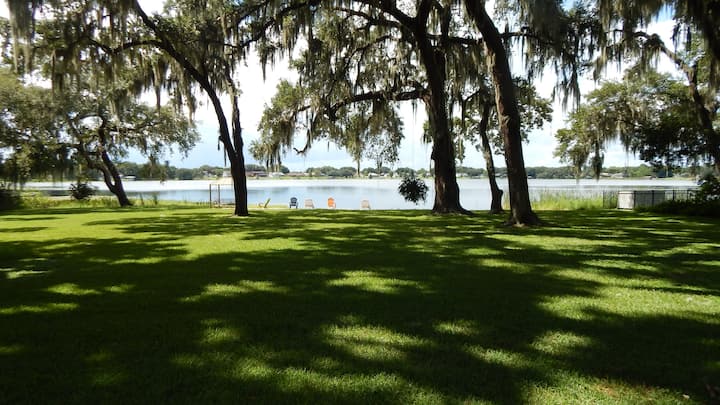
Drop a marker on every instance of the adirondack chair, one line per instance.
(293, 202)
(331, 203)
(309, 203)
(365, 204)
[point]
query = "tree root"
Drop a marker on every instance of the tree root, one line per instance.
(452, 211)
(529, 219)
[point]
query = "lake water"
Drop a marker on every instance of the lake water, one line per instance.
(382, 193)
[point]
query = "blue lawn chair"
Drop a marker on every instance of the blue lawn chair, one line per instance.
(293, 203)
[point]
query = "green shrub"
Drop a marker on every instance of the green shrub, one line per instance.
(705, 204)
(81, 191)
(709, 189)
(687, 208)
(39, 200)
(9, 199)
(413, 189)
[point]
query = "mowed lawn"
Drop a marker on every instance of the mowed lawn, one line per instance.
(192, 305)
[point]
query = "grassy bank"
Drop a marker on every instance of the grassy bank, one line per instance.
(191, 305)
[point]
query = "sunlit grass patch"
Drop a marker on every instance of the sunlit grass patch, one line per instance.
(650, 301)
(501, 357)
(217, 332)
(230, 290)
(613, 263)
(560, 342)
(373, 282)
(119, 289)
(556, 244)
(13, 273)
(599, 390)
(38, 309)
(372, 342)
(71, 289)
(459, 327)
(362, 388)
(10, 349)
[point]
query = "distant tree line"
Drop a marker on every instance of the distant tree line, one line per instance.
(643, 170)
(148, 171)
(152, 171)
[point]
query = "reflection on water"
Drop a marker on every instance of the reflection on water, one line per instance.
(382, 193)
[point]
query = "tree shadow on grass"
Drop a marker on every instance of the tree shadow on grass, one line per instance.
(24, 229)
(684, 252)
(24, 217)
(386, 307)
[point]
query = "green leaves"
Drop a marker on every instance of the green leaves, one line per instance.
(81, 191)
(652, 115)
(412, 188)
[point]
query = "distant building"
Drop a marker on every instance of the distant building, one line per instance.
(256, 173)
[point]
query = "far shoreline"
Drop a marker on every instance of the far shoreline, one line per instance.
(253, 183)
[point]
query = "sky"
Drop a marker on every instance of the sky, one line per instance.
(257, 93)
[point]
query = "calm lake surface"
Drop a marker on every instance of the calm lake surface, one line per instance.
(382, 193)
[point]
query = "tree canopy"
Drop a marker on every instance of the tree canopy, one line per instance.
(29, 132)
(192, 45)
(651, 114)
(54, 131)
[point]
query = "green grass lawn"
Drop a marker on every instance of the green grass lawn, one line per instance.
(191, 305)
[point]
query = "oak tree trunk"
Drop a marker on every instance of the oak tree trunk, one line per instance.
(113, 181)
(238, 168)
(508, 116)
(495, 191)
(447, 191)
(105, 165)
(233, 148)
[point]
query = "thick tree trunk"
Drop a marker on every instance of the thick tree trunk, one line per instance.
(111, 175)
(495, 191)
(712, 138)
(113, 181)
(447, 191)
(508, 115)
(233, 148)
(238, 170)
